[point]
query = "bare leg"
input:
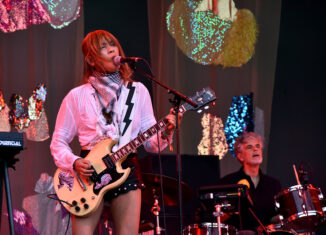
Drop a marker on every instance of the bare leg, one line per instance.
(86, 225)
(125, 210)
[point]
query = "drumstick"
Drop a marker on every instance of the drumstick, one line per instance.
(296, 175)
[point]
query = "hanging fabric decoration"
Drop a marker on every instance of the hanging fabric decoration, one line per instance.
(48, 216)
(18, 116)
(4, 115)
(38, 129)
(21, 14)
(213, 141)
(27, 116)
(240, 119)
(213, 31)
(23, 223)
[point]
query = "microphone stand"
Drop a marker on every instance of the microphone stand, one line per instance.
(176, 102)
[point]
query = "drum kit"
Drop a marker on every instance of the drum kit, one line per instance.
(301, 208)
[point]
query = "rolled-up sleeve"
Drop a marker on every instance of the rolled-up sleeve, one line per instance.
(65, 131)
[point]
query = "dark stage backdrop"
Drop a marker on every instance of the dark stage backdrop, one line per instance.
(299, 101)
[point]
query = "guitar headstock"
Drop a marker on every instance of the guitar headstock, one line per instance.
(202, 99)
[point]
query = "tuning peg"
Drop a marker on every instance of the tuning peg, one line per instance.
(199, 111)
(206, 107)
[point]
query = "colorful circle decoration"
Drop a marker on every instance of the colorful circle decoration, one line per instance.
(220, 35)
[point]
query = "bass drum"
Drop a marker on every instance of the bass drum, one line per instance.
(209, 229)
(300, 207)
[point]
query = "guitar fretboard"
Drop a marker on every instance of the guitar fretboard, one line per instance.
(138, 141)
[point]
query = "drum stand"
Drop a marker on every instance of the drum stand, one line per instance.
(218, 214)
(156, 210)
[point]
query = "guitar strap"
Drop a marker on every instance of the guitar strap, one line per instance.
(128, 99)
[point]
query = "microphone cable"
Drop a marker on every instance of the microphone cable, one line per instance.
(53, 196)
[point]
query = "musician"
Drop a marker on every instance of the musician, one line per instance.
(108, 105)
(262, 188)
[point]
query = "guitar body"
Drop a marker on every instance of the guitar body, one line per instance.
(84, 195)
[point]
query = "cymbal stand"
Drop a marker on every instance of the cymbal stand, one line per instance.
(156, 210)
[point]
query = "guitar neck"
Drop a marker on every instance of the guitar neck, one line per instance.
(139, 140)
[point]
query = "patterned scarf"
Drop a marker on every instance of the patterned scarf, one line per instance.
(108, 88)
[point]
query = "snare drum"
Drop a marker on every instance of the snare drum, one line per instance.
(300, 207)
(209, 229)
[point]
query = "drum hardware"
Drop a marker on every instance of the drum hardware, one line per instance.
(209, 229)
(108, 227)
(218, 214)
(170, 187)
(153, 193)
(226, 198)
(223, 195)
(156, 210)
(258, 220)
(301, 208)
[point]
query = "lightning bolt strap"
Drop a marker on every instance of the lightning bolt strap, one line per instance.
(130, 102)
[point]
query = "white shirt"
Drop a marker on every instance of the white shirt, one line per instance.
(80, 114)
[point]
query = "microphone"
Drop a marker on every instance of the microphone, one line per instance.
(246, 183)
(118, 60)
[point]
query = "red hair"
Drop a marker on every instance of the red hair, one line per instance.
(91, 49)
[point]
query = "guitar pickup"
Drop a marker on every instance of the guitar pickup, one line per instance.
(108, 161)
(94, 176)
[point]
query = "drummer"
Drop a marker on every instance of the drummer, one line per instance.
(249, 152)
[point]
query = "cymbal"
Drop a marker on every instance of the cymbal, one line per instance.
(170, 189)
